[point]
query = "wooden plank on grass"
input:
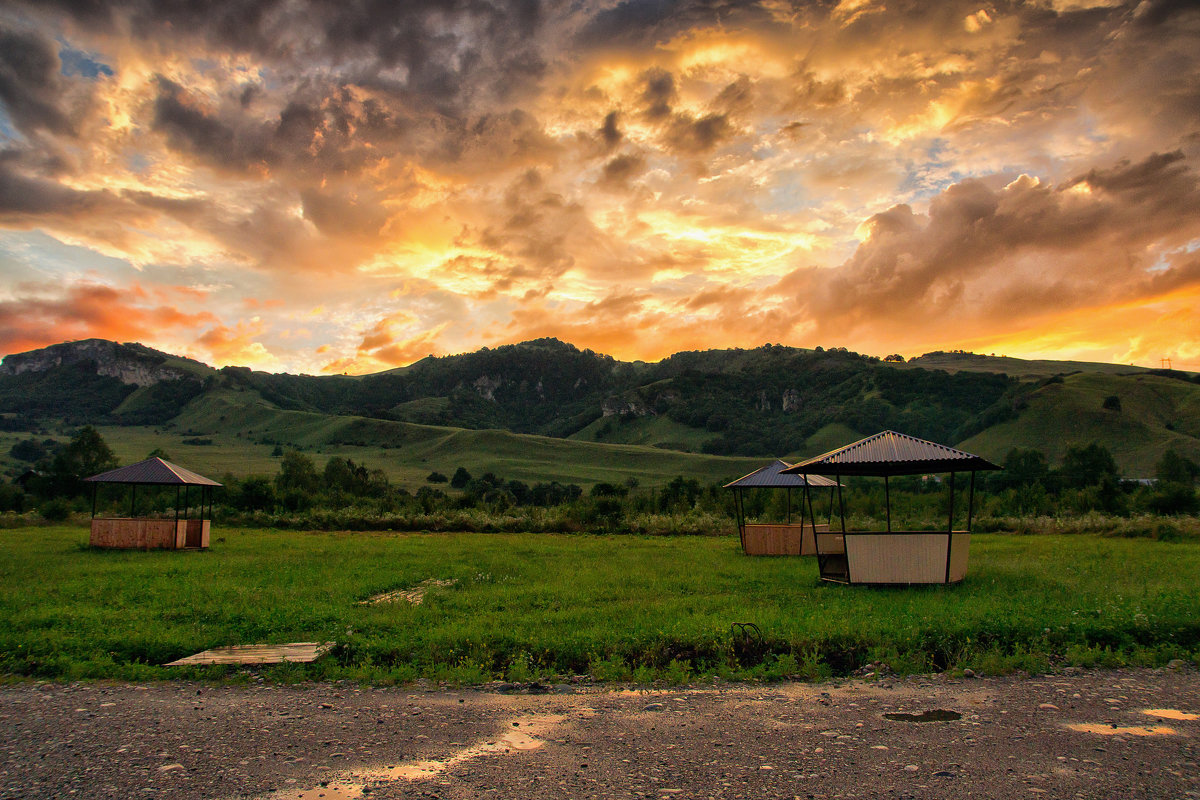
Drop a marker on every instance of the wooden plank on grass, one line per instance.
(293, 652)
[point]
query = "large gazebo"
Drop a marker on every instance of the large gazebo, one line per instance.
(777, 538)
(147, 533)
(888, 556)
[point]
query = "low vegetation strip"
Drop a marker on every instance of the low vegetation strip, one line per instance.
(526, 607)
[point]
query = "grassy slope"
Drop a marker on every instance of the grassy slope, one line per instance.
(238, 423)
(1061, 414)
(573, 603)
(1017, 367)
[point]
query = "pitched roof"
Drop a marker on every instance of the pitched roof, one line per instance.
(891, 453)
(771, 476)
(153, 471)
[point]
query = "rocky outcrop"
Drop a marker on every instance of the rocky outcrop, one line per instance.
(625, 407)
(128, 363)
(791, 400)
(487, 387)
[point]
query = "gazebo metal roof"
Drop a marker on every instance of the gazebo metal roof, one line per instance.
(891, 453)
(153, 472)
(771, 477)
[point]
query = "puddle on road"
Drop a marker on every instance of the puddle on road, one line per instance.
(520, 735)
(1122, 730)
(936, 715)
(1170, 713)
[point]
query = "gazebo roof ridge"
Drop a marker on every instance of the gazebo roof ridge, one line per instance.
(153, 471)
(891, 453)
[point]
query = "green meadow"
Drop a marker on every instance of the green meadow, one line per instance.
(539, 606)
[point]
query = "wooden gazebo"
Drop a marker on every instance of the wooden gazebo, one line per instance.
(777, 538)
(148, 533)
(887, 556)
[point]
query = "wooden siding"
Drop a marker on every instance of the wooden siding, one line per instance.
(906, 557)
(294, 652)
(780, 539)
(149, 534)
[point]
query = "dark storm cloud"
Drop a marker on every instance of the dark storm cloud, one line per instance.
(451, 50)
(620, 170)
(26, 198)
(31, 85)
(610, 134)
(697, 135)
(658, 93)
(640, 23)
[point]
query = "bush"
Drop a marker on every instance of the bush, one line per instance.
(55, 510)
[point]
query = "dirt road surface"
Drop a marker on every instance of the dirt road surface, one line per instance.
(1118, 734)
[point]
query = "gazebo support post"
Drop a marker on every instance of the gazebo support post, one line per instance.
(186, 500)
(887, 502)
(789, 505)
(970, 502)
(132, 501)
(176, 506)
(841, 501)
(94, 488)
(950, 529)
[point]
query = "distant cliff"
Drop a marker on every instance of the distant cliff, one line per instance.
(131, 364)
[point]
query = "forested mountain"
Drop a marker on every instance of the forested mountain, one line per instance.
(771, 400)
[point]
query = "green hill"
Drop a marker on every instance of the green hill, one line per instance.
(1155, 413)
(544, 410)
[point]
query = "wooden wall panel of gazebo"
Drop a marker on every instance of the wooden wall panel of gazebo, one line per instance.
(905, 557)
(149, 534)
(780, 539)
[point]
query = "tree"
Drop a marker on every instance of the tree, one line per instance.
(1112, 403)
(1023, 468)
(85, 455)
(894, 357)
(158, 452)
(461, 478)
(296, 473)
(436, 477)
(1087, 465)
(1176, 468)
(28, 450)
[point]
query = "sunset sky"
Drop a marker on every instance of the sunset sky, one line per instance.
(350, 185)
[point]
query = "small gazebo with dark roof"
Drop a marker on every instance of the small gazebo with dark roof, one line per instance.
(182, 532)
(889, 556)
(777, 539)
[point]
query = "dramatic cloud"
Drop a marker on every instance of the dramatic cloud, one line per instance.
(349, 186)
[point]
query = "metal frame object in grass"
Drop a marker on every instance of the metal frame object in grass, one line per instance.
(778, 539)
(888, 556)
(149, 533)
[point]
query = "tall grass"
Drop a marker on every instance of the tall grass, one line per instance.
(616, 607)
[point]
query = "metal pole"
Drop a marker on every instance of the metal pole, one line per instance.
(789, 505)
(887, 501)
(177, 507)
(132, 501)
(950, 530)
(971, 502)
(950, 523)
(186, 500)
(95, 486)
(841, 501)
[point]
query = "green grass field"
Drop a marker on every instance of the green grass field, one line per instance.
(621, 608)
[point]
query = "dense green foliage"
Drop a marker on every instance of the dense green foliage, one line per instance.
(620, 608)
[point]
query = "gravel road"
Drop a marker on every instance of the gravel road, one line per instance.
(1096, 734)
